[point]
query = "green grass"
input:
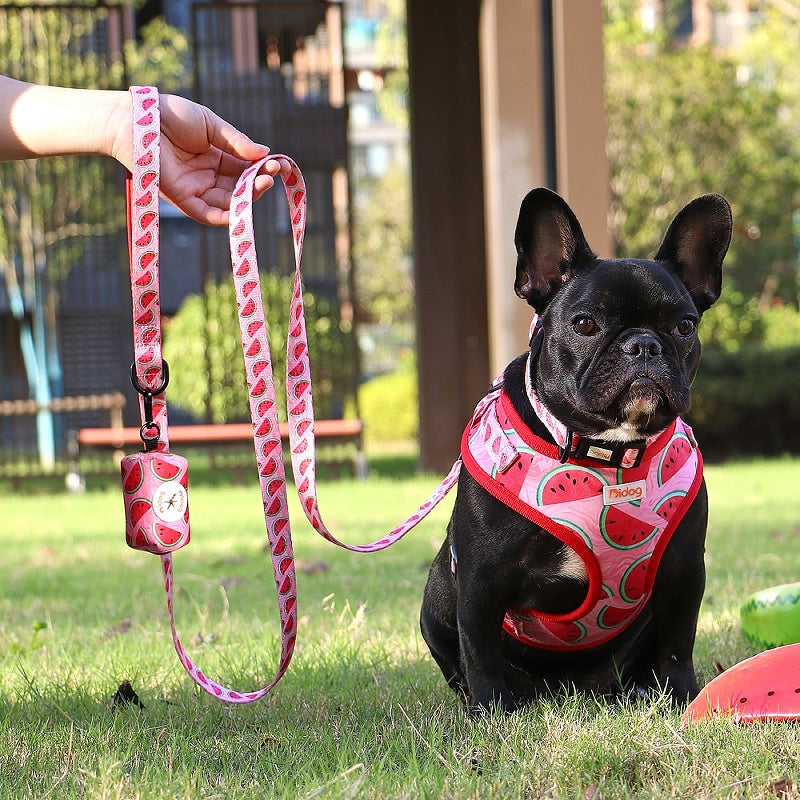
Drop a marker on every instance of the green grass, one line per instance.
(363, 711)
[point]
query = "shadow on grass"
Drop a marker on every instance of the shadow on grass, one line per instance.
(345, 711)
(234, 467)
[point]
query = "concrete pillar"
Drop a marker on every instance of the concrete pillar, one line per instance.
(513, 113)
(582, 164)
(448, 213)
(535, 109)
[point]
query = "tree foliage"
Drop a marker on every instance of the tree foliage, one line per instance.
(392, 52)
(683, 121)
(383, 240)
(382, 248)
(48, 204)
(50, 208)
(160, 58)
(203, 347)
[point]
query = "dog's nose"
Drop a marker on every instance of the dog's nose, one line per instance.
(642, 346)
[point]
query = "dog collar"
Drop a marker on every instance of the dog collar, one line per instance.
(570, 444)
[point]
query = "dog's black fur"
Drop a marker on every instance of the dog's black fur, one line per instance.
(616, 361)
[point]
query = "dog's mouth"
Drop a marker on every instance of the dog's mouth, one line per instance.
(632, 402)
(642, 391)
(643, 396)
(646, 401)
(638, 404)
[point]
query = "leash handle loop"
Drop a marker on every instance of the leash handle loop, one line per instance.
(142, 190)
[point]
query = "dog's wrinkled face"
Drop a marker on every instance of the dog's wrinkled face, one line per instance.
(623, 337)
(619, 348)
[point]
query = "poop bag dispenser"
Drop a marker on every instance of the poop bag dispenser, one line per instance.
(155, 486)
(155, 489)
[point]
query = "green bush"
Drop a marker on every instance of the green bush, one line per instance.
(388, 404)
(733, 322)
(203, 347)
(745, 403)
(737, 322)
(781, 327)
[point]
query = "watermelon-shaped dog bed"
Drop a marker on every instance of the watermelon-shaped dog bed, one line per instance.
(764, 687)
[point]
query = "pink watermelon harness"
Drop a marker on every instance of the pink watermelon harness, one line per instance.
(618, 519)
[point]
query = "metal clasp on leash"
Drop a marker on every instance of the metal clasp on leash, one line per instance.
(150, 432)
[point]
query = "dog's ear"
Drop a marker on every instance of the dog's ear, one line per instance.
(695, 244)
(549, 243)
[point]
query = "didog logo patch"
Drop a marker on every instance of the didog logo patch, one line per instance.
(169, 501)
(624, 493)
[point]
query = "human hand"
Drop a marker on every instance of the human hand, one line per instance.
(202, 157)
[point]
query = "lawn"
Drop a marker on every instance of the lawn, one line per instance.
(363, 711)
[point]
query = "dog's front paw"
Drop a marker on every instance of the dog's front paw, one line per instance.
(678, 685)
(679, 681)
(682, 693)
(492, 699)
(636, 692)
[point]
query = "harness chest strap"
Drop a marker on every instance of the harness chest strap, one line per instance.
(618, 520)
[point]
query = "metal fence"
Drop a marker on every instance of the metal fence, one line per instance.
(62, 235)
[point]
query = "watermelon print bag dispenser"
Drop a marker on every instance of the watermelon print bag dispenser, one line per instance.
(155, 484)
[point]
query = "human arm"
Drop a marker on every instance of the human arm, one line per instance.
(202, 155)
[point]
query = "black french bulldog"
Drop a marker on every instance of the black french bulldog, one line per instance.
(612, 362)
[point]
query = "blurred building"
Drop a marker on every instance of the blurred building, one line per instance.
(723, 23)
(374, 141)
(275, 70)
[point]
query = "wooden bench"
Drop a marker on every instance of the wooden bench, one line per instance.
(328, 431)
(113, 402)
(24, 465)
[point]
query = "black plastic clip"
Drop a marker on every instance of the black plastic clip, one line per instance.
(150, 432)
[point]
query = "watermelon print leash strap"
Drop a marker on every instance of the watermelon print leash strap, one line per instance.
(298, 372)
(149, 375)
(142, 195)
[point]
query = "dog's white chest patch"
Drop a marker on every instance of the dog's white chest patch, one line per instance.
(571, 565)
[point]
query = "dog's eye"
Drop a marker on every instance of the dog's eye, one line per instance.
(585, 326)
(686, 327)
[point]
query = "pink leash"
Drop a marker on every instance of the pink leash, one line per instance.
(154, 481)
